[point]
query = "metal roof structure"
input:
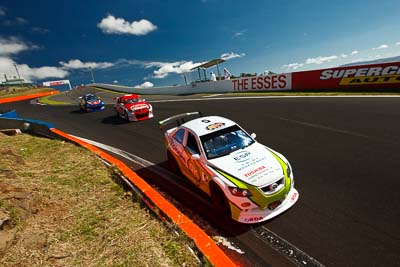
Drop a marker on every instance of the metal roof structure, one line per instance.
(209, 64)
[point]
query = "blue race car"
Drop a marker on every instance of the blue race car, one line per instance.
(91, 102)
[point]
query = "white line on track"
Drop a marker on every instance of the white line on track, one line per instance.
(295, 255)
(212, 95)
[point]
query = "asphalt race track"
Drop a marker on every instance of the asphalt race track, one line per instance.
(344, 152)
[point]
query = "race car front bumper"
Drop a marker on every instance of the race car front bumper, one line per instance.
(141, 115)
(257, 215)
(94, 107)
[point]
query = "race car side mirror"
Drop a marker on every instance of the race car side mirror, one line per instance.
(253, 135)
(195, 157)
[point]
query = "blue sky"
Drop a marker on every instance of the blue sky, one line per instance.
(152, 42)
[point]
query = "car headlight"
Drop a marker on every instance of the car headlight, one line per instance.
(288, 169)
(239, 192)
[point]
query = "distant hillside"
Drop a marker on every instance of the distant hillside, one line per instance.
(382, 60)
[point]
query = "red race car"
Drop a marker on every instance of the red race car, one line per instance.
(133, 108)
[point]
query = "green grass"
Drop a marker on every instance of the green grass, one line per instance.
(13, 211)
(48, 101)
(72, 198)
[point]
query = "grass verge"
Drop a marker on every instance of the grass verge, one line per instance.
(48, 101)
(65, 209)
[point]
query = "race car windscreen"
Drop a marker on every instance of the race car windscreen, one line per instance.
(91, 98)
(132, 100)
(225, 141)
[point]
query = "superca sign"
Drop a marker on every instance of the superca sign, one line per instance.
(386, 75)
(54, 83)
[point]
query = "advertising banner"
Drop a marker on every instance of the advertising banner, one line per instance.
(384, 75)
(263, 83)
(55, 83)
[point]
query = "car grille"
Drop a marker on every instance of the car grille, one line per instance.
(142, 113)
(273, 187)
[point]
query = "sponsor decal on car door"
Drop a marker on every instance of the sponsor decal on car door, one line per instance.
(196, 173)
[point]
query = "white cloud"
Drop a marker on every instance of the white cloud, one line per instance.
(145, 85)
(165, 68)
(40, 30)
(12, 45)
(115, 81)
(15, 22)
(77, 64)
(398, 43)
(2, 11)
(355, 52)
(113, 25)
(383, 46)
(21, 21)
(41, 72)
(227, 56)
(179, 67)
(320, 59)
(240, 33)
(294, 65)
(315, 60)
(28, 73)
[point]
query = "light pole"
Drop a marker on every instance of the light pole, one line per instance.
(91, 72)
(16, 69)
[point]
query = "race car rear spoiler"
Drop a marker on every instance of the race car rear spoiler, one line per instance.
(179, 119)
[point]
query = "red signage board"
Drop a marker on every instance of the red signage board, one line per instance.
(384, 75)
(262, 83)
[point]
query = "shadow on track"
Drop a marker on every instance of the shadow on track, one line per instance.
(77, 111)
(194, 203)
(114, 120)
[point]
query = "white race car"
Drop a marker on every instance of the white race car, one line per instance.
(248, 181)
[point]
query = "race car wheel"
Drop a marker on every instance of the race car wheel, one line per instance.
(219, 200)
(126, 116)
(172, 164)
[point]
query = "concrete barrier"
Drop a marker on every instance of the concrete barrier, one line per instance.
(273, 82)
(194, 88)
